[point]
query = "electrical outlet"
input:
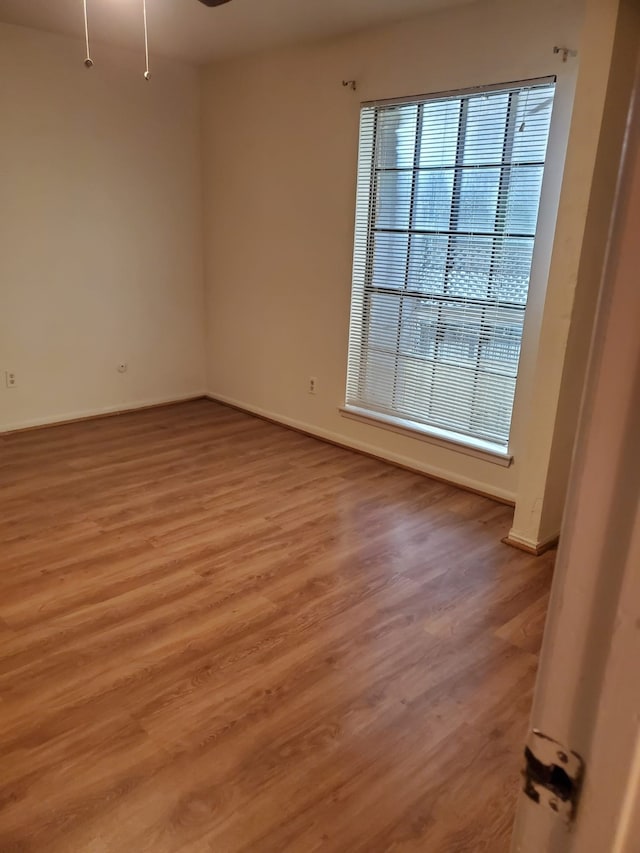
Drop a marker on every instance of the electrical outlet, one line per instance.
(123, 367)
(313, 384)
(10, 379)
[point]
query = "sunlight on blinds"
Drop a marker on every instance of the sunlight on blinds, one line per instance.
(446, 211)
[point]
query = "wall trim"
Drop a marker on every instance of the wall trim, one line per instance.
(95, 414)
(399, 461)
(522, 543)
(469, 485)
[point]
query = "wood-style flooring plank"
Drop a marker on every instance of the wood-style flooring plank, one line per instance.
(218, 635)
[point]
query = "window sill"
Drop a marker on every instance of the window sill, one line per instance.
(441, 437)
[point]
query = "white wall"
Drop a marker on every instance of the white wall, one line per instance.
(101, 249)
(597, 129)
(100, 230)
(281, 138)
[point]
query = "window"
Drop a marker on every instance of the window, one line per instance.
(446, 211)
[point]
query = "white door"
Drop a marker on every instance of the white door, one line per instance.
(588, 691)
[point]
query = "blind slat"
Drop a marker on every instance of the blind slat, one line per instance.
(446, 212)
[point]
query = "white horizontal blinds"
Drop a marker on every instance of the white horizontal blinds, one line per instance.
(447, 203)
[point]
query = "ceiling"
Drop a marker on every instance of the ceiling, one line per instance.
(188, 30)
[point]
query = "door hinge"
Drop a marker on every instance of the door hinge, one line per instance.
(552, 775)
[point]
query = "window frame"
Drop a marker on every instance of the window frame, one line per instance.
(366, 188)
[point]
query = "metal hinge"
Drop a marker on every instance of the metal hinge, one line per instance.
(552, 775)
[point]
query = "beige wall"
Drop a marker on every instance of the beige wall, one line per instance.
(100, 230)
(588, 185)
(281, 137)
(619, 89)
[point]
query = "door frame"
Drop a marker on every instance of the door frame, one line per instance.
(588, 689)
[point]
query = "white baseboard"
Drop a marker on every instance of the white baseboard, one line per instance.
(369, 449)
(532, 546)
(118, 408)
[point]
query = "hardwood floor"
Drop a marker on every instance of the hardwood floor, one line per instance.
(220, 635)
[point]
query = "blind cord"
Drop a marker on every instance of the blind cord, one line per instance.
(525, 113)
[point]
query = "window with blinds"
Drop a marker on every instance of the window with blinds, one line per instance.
(446, 210)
